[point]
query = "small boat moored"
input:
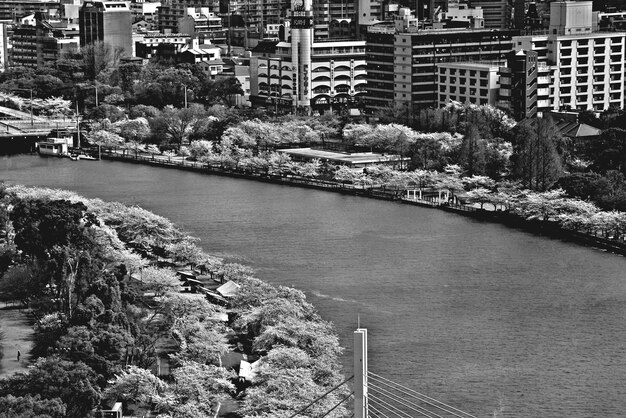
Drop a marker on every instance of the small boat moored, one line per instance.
(87, 157)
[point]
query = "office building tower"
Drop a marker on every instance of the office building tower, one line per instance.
(402, 62)
(108, 22)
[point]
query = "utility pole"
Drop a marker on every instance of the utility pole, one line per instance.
(31, 107)
(77, 126)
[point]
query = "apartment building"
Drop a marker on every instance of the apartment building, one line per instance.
(13, 10)
(41, 44)
(579, 68)
(170, 11)
(519, 83)
(202, 23)
(468, 82)
(402, 63)
(498, 14)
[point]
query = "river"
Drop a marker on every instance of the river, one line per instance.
(492, 320)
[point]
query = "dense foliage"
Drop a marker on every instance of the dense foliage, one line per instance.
(108, 315)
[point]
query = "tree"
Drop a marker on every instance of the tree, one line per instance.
(31, 406)
(53, 234)
(136, 385)
(105, 138)
(176, 125)
(609, 152)
(201, 341)
(473, 150)
(196, 390)
(589, 117)
(159, 281)
(585, 185)
(106, 111)
(99, 56)
(220, 91)
(481, 195)
(535, 158)
(165, 86)
(74, 384)
(133, 129)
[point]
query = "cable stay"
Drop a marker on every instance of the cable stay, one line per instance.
(401, 401)
(337, 404)
(391, 408)
(376, 413)
(319, 398)
(419, 396)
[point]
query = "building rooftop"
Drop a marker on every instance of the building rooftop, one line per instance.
(352, 159)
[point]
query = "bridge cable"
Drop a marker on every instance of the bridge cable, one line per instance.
(410, 405)
(434, 406)
(393, 409)
(377, 411)
(417, 395)
(322, 396)
(337, 405)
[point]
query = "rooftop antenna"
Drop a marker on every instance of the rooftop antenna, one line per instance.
(358, 321)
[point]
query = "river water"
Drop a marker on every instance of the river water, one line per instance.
(492, 320)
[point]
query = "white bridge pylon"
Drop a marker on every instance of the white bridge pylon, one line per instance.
(378, 397)
(360, 373)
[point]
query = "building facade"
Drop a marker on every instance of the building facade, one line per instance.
(402, 67)
(41, 44)
(468, 82)
(203, 24)
(579, 69)
(106, 21)
(307, 74)
(148, 47)
(13, 10)
(519, 84)
(498, 14)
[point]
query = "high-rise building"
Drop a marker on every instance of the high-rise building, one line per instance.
(518, 84)
(304, 73)
(3, 47)
(497, 13)
(106, 21)
(13, 10)
(578, 68)
(40, 45)
(402, 63)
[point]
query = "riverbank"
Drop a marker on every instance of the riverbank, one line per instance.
(544, 228)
